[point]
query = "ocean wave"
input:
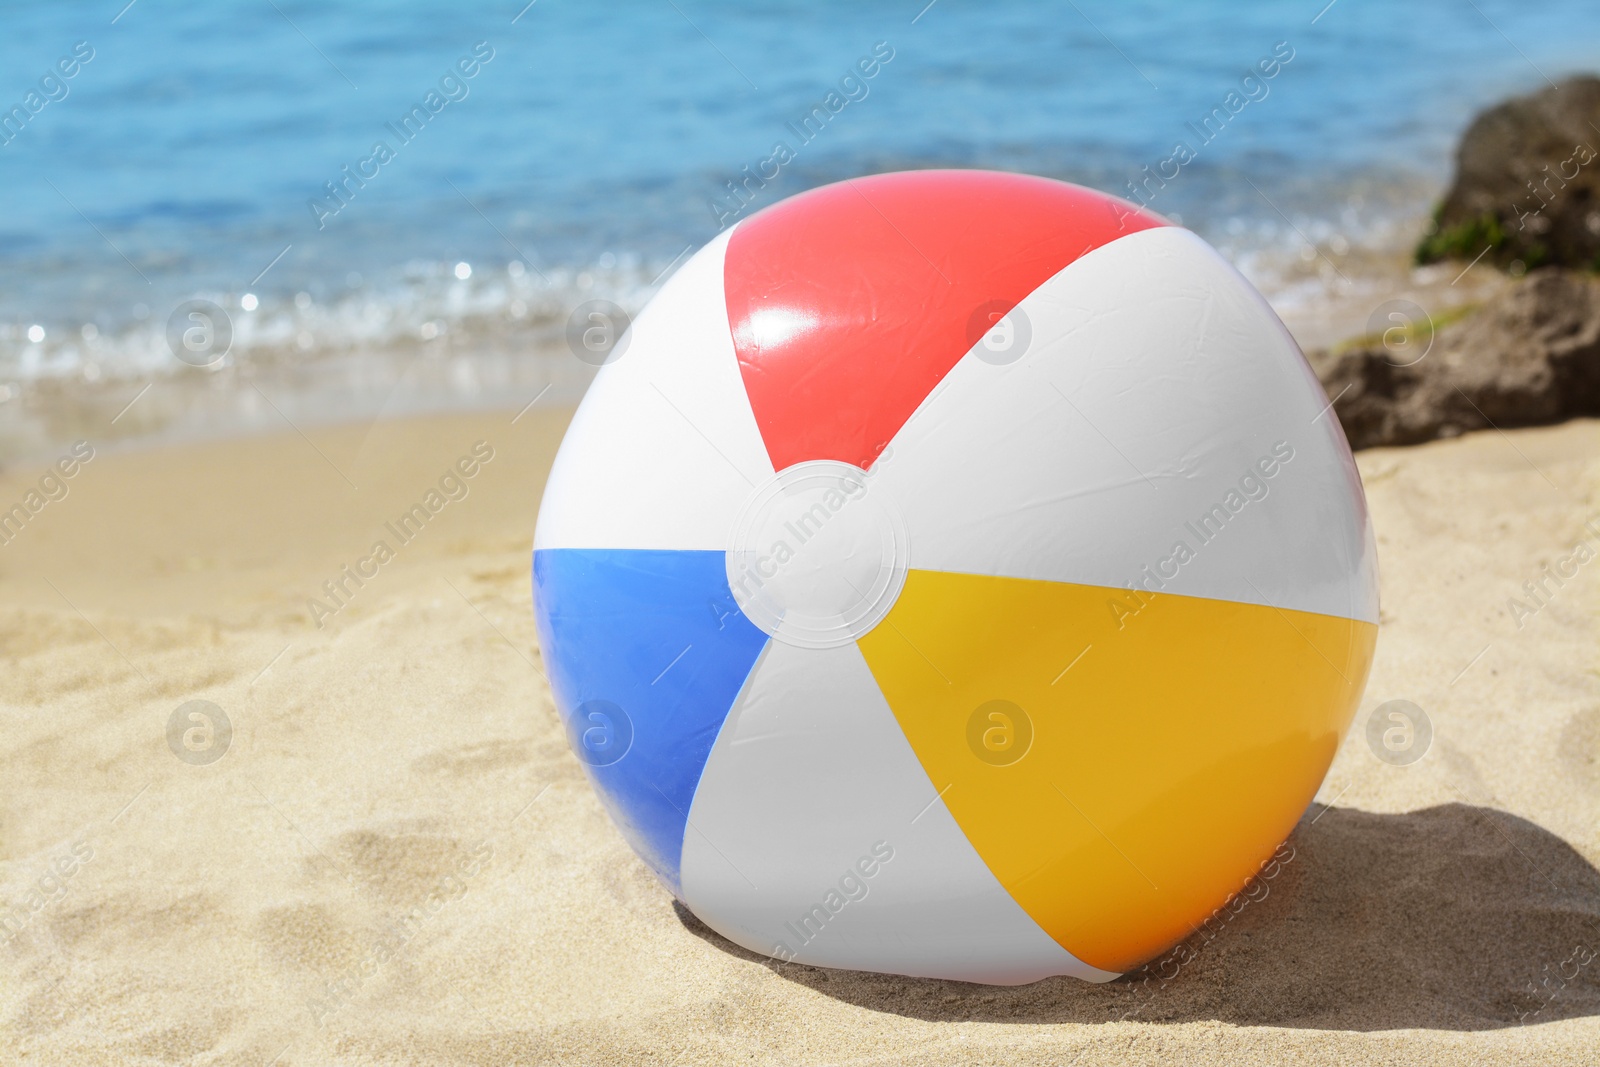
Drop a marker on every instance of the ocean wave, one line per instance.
(505, 306)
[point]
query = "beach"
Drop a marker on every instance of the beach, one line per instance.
(296, 307)
(390, 854)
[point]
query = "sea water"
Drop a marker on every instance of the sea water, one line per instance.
(388, 193)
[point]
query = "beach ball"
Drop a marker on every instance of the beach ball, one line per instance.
(955, 574)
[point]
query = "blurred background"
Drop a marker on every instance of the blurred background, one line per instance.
(589, 153)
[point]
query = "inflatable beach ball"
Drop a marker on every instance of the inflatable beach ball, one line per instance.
(955, 574)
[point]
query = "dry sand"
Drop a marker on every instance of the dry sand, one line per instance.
(1429, 915)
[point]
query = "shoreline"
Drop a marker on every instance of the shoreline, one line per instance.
(479, 366)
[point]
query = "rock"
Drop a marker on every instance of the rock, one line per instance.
(1531, 356)
(1527, 183)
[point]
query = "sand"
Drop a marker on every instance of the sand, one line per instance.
(406, 754)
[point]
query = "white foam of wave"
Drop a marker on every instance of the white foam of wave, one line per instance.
(496, 306)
